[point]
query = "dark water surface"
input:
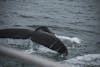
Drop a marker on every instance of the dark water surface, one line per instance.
(72, 18)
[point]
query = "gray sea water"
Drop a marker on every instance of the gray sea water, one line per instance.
(68, 18)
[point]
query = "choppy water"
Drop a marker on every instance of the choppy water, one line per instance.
(67, 18)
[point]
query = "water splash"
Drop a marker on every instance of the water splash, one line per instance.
(71, 39)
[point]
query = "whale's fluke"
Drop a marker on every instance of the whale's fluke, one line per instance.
(41, 37)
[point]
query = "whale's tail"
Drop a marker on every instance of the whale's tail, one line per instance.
(41, 35)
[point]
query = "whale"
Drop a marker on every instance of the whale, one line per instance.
(40, 35)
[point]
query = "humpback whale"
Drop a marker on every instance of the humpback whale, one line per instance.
(41, 35)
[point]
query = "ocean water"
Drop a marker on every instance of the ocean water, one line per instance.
(75, 22)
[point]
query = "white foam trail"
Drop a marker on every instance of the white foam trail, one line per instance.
(72, 39)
